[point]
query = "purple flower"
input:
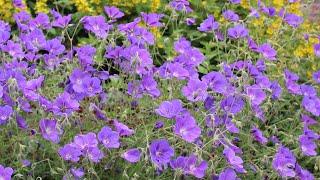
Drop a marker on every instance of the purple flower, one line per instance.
(187, 128)
(267, 51)
(303, 174)
(232, 104)
(159, 124)
(195, 90)
(307, 142)
(307, 120)
(113, 12)
(59, 20)
(316, 76)
(13, 49)
(238, 31)
(132, 155)
(256, 94)
(78, 173)
(85, 141)
(109, 138)
(69, 152)
(92, 86)
(235, 1)
(21, 122)
(122, 129)
(170, 109)
(18, 4)
(96, 25)
(258, 135)
(181, 5)
(284, 162)
(190, 21)
(5, 172)
(49, 130)
(230, 15)
(316, 48)
(65, 104)
(4, 31)
(217, 82)
(152, 19)
(161, 153)
(141, 36)
(228, 174)
(293, 20)
(235, 161)
(54, 46)
(312, 105)
(270, 11)
(85, 54)
(208, 25)
(150, 86)
(276, 90)
(5, 113)
(190, 165)
(78, 79)
(94, 154)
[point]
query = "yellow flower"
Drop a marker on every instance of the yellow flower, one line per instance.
(245, 4)
(295, 8)
(41, 6)
(155, 5)
(278, 3)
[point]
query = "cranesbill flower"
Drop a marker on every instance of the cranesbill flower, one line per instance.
(267, 51)
(195, 90)
(307, 120)
(96, 25)
(230, 15)
(217, 82)
(13, 49)
(293, 20)
(276, 90)
(307, 142)
(149, 85)
(316, 76)
(181, 5)
(41, 21)
(312, 105)
(4, 31)
(270, 11)
(49, 130)
(65, 104)
(284, 162)
(256, 94)
(208, 25)
(235, 1)
(316, 49)
(5, 113)
(235, 161)
(69, 152)
(113, 12)
(85, 55)
(228, 174)
(290, 76)
(258, 135)
(5, 172)
(238, 31)
(122, 129)
(308, 90)
(92, 86)
(59, 20)
(170, 109)
(85, 141)
(303, 174)
(109, 138)
(232, 104)
(141, 36)
(182, 45)
(77, 172)
(94, 154)
(132, 155)
(54, 46)
(187, 128)
(161, 153)
(190, 21)
(152, 19)
(190, 165)
(21, 122)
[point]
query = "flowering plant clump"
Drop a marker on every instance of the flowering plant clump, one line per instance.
(170, 95)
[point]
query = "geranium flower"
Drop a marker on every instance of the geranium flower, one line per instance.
(96, 25)
(208, 25)
(161, 153)
(195, 90)
(5, 172)
(238, 31)
(109, 138)
(284, 162)
(187, 128)
(170, 109)
(132, 155)
(49, 130)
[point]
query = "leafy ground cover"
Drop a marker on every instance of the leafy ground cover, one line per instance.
(213, 90)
